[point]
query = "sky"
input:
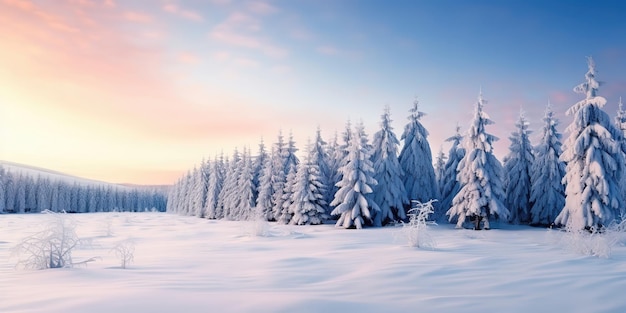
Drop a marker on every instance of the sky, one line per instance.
(141, 91)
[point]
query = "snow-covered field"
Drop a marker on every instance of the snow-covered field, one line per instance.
(187, 264)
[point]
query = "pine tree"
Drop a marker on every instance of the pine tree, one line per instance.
(517, 168)
(282, 197)
(244, 195)
(440, 169)
(335, 156)
(620, 118)
(595, 162)
(257, 169)
(481, 194)
(216, 182)
(264, 201)
(547, 192)
(353, 201)
(451, 184)
(225, 198)
(389, 193)
(320, 156)
(308, 205)
(416, 160)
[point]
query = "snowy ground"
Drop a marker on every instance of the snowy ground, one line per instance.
(186, 264)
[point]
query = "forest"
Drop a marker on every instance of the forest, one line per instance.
(354, 183)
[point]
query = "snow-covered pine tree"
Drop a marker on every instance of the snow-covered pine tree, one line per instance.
(389, 193)
(353, 201)
(279, 175)
(283, 197)
(216, 181)
(547, 192)
(228, 192)
(285, 213)
(481, 193)
(257, 168)
(440, 169)
(243, 205)
(416, 160)
(451, 184)
(320, 156)
(517, 170)
(595, 162)
(198, 191)
(620, 118)
(264, 202)
(308, 205)
(620, 123)
(334, 163)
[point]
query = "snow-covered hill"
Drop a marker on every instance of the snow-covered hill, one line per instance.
(35, 172)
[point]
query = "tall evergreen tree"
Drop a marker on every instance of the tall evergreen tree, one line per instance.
(257, 169)
(244, 195)
(308, 205)
(282, 197)
(353, 201)
(451, 183)
(216, 181)
(440, 169)
(481, 195)
(620, 118)
(547, 192)
(595, 162)
(517, 168)
(416, 159)
(319, 155)
(264, 201)
(389, 193)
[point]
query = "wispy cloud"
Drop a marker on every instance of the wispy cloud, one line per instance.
(137, 17)
(184, 13)
(188, 58)
(260, 7)
(243, 30)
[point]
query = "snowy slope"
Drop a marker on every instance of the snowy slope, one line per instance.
(35, 172)
(187, 264)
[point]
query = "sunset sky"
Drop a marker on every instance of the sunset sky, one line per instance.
(141, 91)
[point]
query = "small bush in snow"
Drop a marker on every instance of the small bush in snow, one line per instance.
(256, 225)
(592, 241)
(416, 230)
(51, 247)
(125, 250)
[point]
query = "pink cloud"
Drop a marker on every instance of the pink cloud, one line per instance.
(188, 58)
(187, 14)
(242, 30)
(110, 3)
(137, 17)
(260, 7)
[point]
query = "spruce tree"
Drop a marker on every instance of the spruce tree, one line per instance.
(481, 195)
(389, 193)
(451, 185)
(416, 159)
(547, 192)
(517, 168)
(308, 205)
(352, 201)
(595, 162)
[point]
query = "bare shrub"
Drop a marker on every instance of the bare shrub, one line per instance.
(125, 251)
(416, 230)
(51, 247)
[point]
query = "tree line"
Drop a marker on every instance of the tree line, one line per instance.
(578, 184)
(21, 193)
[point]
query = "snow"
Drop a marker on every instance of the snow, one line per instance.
(188, 264)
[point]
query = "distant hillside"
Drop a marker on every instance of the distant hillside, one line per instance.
(35, 172)
(31, 189)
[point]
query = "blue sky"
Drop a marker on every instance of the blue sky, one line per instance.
(140, 91)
